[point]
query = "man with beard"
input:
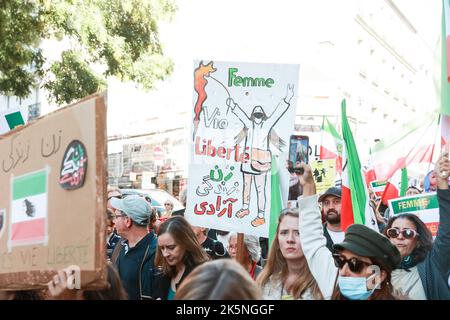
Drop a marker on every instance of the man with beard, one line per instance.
(331, 211)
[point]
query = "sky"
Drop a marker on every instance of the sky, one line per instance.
(282, 31)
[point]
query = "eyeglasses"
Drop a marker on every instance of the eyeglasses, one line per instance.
(118, 215)
(354, 264)
(167, 204)
(407, 233)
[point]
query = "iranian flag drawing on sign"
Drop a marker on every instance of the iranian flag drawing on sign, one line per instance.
(29, 208)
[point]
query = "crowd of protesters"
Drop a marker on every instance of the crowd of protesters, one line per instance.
(310, 258)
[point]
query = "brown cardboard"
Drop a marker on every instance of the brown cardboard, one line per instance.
(76, 218)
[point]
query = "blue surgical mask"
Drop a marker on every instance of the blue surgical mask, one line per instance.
(355, 288)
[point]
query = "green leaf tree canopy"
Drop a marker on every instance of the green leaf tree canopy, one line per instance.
(120, 37)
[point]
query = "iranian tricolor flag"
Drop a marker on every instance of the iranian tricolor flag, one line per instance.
(355, 199)
(396, 187)
(11, 118)
(445, 74)
(29, 208)
(331, 144)
(276, 203)
(413, 143)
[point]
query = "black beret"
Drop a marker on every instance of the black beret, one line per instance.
(366, 242)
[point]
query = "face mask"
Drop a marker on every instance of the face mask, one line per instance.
(355, 288)
(258, 115)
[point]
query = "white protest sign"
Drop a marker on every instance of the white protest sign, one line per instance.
(243, 116)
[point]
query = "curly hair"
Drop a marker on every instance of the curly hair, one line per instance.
(425, 238)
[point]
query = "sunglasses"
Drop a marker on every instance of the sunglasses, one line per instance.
(354, 264)
(118, 197)
(407, 233)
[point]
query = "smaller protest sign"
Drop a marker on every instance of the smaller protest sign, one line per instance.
(425, 206)
(324, 173)
(378, 187)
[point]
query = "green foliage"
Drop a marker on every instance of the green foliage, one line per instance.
(118, 36)
(73, 78)
(21, 28)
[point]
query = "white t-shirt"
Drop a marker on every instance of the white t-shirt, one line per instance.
(408, 283)
(337, 237)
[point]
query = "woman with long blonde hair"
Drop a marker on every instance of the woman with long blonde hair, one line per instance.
(286, 274)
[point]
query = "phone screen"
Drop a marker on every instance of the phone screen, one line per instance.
(298, 150)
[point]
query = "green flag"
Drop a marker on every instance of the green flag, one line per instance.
(404, 183)
(355, 208)
(275, 200)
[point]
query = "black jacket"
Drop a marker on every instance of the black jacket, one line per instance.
(140, 258)
(433, 270)
(161, 282)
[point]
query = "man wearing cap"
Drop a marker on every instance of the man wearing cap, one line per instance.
(331, 211)
(134, 258)
(361, 265)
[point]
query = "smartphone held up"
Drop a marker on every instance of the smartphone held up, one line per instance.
(298, 153)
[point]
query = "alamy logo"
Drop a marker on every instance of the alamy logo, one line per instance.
(73, 277)
(374, 280)
(66, 279)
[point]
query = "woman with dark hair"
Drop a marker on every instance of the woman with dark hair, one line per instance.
(424, 266)
(177, 255)
(286, 273)
(359, 268)
(222, 279)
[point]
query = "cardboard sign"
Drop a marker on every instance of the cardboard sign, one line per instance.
(243, 116)
(425, 206)
(324, 173)
(43, 226)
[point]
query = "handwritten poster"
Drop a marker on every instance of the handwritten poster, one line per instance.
(48, 219)
(242, 117)
(324, 173)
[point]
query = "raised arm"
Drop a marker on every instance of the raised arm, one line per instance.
(281, 108)
(440, 251)
(242, 116)
(320, 260)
